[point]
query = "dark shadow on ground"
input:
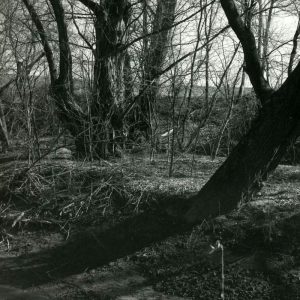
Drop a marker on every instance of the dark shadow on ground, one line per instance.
(89, 249)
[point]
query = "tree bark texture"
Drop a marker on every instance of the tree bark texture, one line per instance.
(155, 55)
(109, 88)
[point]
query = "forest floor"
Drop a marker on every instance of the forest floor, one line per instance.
(93, 230)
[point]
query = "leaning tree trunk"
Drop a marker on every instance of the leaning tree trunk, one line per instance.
(261, 150)
(257, 154)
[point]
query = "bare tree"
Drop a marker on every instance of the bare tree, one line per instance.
(108, 90)
(61, 89)
(260, 151)
(155, 53)
(111, 19)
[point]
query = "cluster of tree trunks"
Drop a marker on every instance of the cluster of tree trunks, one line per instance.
(111, 19)
(154, 54)
(98, 132)
(94, 132)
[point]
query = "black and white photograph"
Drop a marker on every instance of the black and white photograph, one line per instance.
(149, 149)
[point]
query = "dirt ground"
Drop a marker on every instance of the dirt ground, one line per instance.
(62, 248)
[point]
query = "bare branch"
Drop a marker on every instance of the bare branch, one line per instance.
(28, 69)
(90, 46)
(247, 39)
(44, 39)
(137, 98)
